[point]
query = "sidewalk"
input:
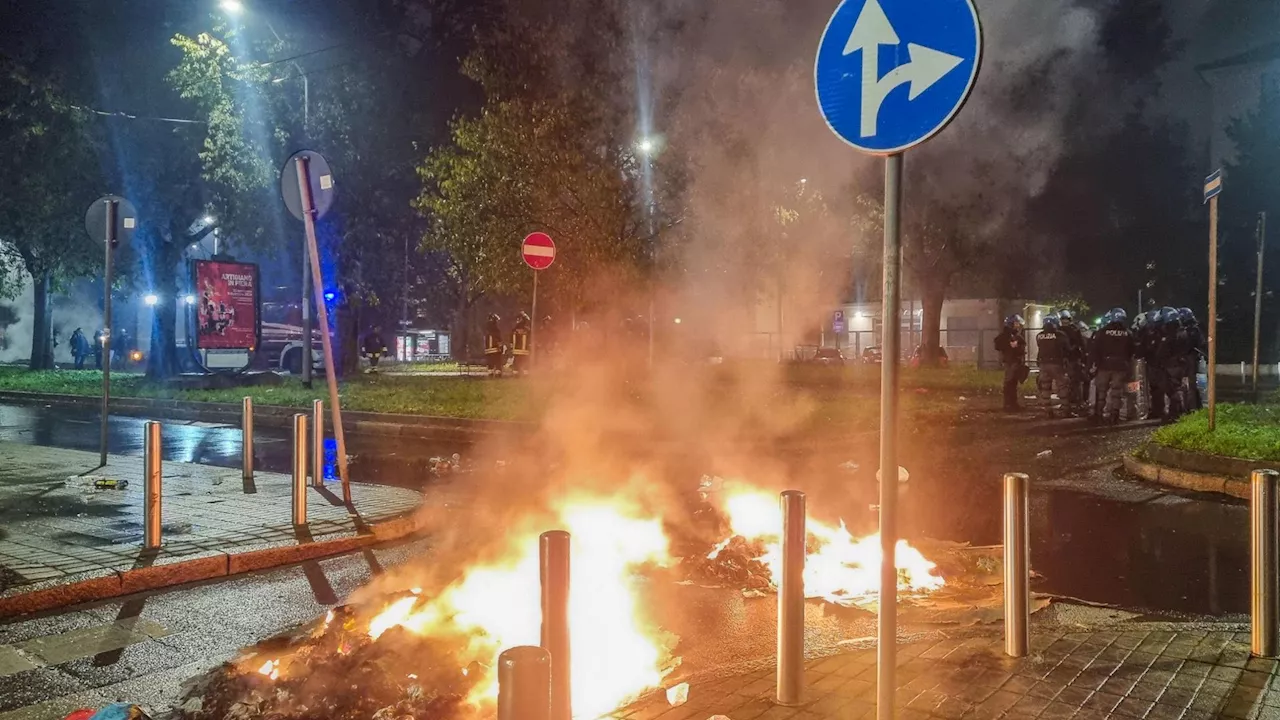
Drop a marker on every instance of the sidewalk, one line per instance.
(1158, 670)
(62, 541)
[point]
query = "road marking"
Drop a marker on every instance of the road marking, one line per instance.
(76, 644)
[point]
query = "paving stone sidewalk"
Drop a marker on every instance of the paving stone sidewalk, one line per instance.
(55, 528)
(1161, 674)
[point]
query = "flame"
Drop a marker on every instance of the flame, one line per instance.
(838, 568)
(271, 669)
(615, 654)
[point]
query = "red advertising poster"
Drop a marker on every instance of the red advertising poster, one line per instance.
(226, 305)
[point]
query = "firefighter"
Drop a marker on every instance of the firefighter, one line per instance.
(1052, 348)
(374, 348)
(1112, 356)
(493, 354)
(1012, 347)
(1195, 350)
(520, 344)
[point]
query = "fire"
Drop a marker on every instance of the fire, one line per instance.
(271, 669)
(615, 654)
(838, 568)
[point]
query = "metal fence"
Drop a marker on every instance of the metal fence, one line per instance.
(973, 347)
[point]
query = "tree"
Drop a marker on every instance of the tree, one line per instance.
(41, 217)
(542, 154)
(1251, 189)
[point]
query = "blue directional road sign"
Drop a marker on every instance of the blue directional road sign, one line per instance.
(892, 73)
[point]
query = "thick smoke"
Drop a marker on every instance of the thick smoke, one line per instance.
(68, 311)
(731, 87)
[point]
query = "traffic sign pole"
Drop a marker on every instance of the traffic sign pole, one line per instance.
(308, 218)
(1257, 296)
(533, 322)
(1213, 314)
(109, 241)
(890, 323)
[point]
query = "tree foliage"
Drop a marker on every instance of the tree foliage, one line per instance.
(42, 216)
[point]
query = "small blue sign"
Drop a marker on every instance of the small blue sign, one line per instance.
(837, 327)
(1213, 185)
(890, 74)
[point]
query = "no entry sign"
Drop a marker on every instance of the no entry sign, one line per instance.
(538, 250)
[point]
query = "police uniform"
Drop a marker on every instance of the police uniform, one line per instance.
(1077, 377)
(1171, 356)
(1012, 347)
(1194, 348)
(1053, 348)
(1112, 355)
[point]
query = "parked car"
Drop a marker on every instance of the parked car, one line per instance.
(871, 356)
(828, 356)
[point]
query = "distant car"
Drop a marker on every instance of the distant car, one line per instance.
(871, 356)
(828, 356)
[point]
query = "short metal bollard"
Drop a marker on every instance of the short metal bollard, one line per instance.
(300, 469)
(553, 556)
(317, 443)
(246, 438)
(524, 684)
(1017, 566)
(1264, 554)
(790, 680)
(152, 490)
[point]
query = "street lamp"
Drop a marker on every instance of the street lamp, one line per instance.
(151, 299)
(232, 7)
(208, 219)
(646, 145)
(191, 299)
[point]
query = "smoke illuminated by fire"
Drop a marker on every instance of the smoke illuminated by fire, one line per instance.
(616, 655)
(838, 568)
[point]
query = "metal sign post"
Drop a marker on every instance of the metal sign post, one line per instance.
(538, 251)
(1257, 296)
(937, 50)
(109, 219)
(1213, 188)
(310, 202)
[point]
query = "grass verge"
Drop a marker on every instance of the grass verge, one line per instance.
(843, 398)
(1251, 432)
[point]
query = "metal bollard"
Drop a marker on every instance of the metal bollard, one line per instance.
(246, 438)
(300, 469)
(317, 443)
(151, 491)
(1264, 554)
(1017, 566)
(524, 684)
(790, 680)
(553, 556)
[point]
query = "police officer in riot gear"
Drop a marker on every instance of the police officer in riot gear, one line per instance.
(1171, 355)
(1053, 348)
(1195, 351)
(520, 344)
(493, 355)
(1149, 347)
(1077, 380)
(1112, 355)
(1012, 347)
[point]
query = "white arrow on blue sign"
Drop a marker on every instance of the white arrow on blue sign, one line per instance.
(890, 74)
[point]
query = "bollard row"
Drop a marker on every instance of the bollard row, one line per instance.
(1017, 566)
(300, 469)
(246, 438)
(1264, 538)
(151, 452)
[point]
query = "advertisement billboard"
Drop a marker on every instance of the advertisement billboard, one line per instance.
(226, 300)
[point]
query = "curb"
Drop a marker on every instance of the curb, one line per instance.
(1187, 479)
(179, 572)
(281, 416)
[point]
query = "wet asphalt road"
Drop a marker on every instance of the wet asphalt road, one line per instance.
(1096, 535)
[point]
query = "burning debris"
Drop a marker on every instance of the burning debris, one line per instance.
(429, 653)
